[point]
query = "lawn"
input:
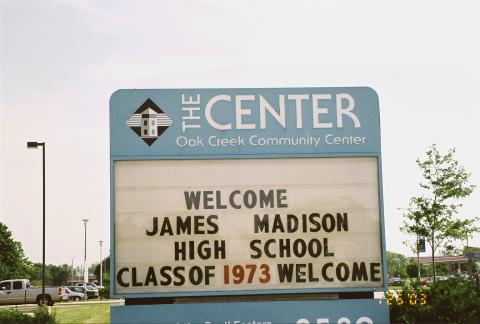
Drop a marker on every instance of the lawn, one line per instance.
(93, 313)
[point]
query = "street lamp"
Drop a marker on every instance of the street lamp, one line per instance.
(85, 271)
(101, 263)
(35, 145)
(71, 273)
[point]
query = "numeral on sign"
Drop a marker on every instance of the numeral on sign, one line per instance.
(241, 272)
(238, 274)
(265, 273)
(252, 268)
(226, 274)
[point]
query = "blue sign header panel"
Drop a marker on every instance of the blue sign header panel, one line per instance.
(364, 311)
(244, 122)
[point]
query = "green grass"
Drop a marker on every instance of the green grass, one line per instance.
(97, 313)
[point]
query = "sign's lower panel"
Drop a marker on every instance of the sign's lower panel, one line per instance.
(362, 311)
(260, 224)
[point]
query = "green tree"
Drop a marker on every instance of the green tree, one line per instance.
(105, 268)
(59, 274)
(13, 263)
(412, 270)
(443, 268)
(55, 275)
(35, 275)
(432, 214)
(396, 264)
(451, 250)
(92, 267)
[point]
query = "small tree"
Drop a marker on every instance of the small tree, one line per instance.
(432, 214)
(13, 263)
(396, 263)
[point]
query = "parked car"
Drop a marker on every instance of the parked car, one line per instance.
(19, 291)
(92, 292)
(90, 285)
(439, 278)
(395, 281)
(73, 294)
(80, 290)
(96, 286)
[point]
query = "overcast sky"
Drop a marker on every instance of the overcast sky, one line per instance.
(61, 61)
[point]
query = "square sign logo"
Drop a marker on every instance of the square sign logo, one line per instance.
(149, 122)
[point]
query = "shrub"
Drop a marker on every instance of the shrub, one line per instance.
(451, 301)
(8, 315)
(405, 310)
(13, 316)
(105, 291)
(43, 316)
(455, 301)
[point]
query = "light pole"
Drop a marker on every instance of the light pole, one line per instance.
(85, 270)
(35, 145)
(101, 263)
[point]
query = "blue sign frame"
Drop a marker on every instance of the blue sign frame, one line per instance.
(308, 113)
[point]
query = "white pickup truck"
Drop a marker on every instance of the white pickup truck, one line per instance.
(19, 291)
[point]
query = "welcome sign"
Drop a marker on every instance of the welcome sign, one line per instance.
(241, 191)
